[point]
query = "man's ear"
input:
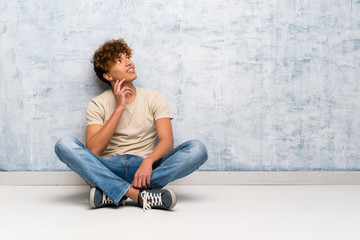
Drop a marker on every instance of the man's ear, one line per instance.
(107, 76)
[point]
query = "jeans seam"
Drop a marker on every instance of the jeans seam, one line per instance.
(126, 169)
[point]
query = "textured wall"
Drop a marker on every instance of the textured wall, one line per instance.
(267, 85)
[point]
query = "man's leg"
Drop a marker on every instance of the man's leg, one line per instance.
(92, 168)
(179, 163)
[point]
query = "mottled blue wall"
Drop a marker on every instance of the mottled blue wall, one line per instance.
(267, 85)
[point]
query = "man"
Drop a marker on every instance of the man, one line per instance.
(120, 159)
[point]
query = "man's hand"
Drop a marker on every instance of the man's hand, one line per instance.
(143, 175)
(120, 93)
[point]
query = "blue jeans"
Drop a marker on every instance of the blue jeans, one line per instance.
(114, 175)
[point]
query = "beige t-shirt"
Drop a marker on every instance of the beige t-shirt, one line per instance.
(135, 132)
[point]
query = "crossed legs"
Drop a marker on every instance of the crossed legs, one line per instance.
(113, 175)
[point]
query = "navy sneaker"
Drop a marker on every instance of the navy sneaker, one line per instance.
(99, 199)
(157, 199)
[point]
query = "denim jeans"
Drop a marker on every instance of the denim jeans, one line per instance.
(114, 175)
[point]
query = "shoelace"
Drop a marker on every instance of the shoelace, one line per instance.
(150, 200)
(106, 200)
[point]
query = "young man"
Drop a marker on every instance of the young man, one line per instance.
(120, 159)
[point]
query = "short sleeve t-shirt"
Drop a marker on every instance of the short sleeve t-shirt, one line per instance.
(135, 132)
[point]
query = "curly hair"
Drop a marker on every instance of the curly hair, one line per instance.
(106, 55)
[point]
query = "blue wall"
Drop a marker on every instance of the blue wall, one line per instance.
(267, 85)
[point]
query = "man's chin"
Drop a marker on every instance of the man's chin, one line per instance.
(130, 79)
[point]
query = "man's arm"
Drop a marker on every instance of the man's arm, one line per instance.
(98, 136)
(165, 145)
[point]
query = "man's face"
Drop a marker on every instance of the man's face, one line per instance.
(123, 68)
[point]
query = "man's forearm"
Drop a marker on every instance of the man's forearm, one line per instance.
(98, 142)
(163, 148)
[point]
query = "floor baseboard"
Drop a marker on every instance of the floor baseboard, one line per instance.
(197, 178)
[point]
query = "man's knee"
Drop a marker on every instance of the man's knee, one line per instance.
(64, 144)
(198, 150)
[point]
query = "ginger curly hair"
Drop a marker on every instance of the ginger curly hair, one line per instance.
(106, 55)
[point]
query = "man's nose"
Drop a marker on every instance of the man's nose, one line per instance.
(127, 62)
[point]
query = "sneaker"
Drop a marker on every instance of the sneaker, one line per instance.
(99, 199)
(159, 199)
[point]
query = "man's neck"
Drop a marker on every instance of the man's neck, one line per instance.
(129, 98)
(128, 84)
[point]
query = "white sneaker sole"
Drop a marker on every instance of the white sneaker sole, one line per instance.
(92, 196)
(173, 196)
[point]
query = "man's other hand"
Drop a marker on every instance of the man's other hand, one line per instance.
(143, 175)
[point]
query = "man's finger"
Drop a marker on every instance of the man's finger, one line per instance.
(135, 182)
(143, 182)
(140, 182)
(116, 87)
(126, 89)
(148, 182)
(121, 82)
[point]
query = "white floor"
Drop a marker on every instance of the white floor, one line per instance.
(202, 212)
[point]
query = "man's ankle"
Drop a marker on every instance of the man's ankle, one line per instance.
(133, 194)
